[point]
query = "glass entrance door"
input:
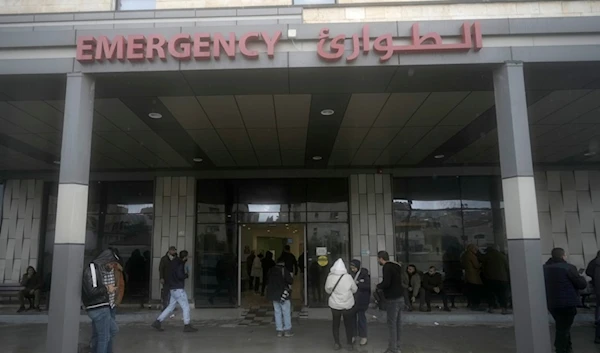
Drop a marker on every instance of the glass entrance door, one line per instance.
(261, 246)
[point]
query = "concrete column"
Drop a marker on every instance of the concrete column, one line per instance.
(372, 227)
(71, 215)
(522, 228)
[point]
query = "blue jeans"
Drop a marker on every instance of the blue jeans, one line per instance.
(361, 323)
(283, 315)
(177, 296)
(104, 329)
(394, 310)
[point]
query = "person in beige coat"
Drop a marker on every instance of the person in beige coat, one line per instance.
(474, 284)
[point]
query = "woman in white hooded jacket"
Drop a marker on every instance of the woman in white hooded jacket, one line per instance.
(341, 288)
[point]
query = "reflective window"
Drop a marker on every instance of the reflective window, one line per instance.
(436, 218)
(120, 216)
(128, 5)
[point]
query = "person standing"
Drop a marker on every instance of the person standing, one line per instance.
(563, 283)
(474, 284)
(32, 281)
(341, 288)
(361, 300)
(495, 273)
(593, 271)
(289, 260)
(257, 273)
(163, 271)
(177, 278)
(393, 292)
(99, 294)
(279, 292)
(433, 284)
(249, 263)
(267, 264)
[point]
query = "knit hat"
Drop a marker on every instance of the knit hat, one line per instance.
(355, 263)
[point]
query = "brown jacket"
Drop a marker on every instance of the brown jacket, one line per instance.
(472, 266)
(120, 282)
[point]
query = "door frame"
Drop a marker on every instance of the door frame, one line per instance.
(241, 255)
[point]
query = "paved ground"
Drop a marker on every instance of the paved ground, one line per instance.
(312, 336)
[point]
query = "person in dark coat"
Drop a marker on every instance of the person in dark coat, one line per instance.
(593, 271)
(496, 275)
(361, 299)
(433, 284)
(289, 260)
(163, 272)
(32, 281)
(563, 283)
(267, 264)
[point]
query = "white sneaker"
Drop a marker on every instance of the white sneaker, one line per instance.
(363, 341)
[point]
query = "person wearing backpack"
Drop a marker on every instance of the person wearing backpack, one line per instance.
(341, 288)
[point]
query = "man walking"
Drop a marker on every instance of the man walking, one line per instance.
(278, 291)
(562, 292)
(176, 283)
(99, 294)
(392, 291)
(163, 270)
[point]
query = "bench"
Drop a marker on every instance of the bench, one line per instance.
(10, 290)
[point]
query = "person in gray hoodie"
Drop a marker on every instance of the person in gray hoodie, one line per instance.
(593, 271)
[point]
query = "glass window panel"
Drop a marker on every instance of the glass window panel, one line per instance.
(331, 216)
(216, 265)
(130, 197)
(212, 217)
(264, 217)
(327, 194)
(476, 192)
(434, 193)
(334, 237)
(128, 5)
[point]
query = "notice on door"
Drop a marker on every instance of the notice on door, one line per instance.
(322, 251)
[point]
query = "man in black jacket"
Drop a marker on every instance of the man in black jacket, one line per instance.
(279, 292)
(163, 271)
(98, 296)
(593, 270)
(176, 282)
(433, 284)
(563, 283)
(289, 260)
(393, 292)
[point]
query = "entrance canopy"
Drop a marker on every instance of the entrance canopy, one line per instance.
(377, 116)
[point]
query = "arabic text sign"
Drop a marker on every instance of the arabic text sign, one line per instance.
(471, 39)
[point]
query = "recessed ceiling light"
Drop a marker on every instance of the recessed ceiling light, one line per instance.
(327, 112)
(590, 154)
(155, 115)
(439, 156)
(56, 162)
(317, 158)
(198, 160)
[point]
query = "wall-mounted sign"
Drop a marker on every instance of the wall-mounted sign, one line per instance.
(471, 39)
(206, 46)
(182, 46)
(321, 251)
(322, 261)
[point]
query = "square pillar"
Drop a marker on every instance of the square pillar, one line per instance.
(371, 221)
(71, 216)
(522, 228)
(174, 225)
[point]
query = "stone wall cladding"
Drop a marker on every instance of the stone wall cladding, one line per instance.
(54, 6)
(429, 12)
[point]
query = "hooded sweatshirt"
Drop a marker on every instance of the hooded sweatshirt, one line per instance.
(342, 298)
(94, 292)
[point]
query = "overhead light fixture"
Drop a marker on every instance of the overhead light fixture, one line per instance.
(439, 156)
(327, 112)
(154, 115)
(198, 160)
(590, 154)
(56, 162)
(317, 158)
